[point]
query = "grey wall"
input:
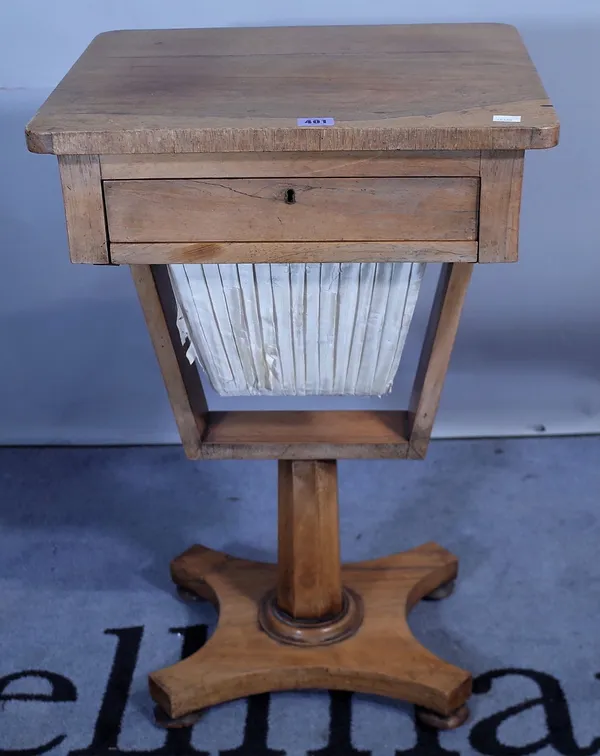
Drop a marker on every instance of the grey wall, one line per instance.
(75, 361)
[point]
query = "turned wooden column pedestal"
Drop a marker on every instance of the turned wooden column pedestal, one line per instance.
(308, 622)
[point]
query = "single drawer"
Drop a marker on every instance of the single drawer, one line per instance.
(294, 210)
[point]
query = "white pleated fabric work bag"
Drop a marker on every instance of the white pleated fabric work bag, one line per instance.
(297, 329)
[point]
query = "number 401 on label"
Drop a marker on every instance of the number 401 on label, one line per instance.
(316, 121)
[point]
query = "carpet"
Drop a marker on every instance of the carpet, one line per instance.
(87, 610)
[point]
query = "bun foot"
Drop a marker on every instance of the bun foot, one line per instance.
(439, 721)
(443, 591)
(198, 590)
(187, 596)
(162, 719)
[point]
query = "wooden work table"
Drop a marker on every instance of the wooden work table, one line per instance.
(294, 145)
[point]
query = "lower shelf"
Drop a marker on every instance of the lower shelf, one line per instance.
(305, 435)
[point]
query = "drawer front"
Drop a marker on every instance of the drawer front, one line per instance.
(294, 210)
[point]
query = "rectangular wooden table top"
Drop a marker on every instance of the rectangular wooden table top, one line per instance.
(421, 87)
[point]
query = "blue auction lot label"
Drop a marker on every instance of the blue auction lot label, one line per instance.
(316, 121)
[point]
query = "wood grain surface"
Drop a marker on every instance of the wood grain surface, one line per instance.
(181, 379)
(84, 208)
(309, 583)
(383, 658)
(435, 354)
(291, 164)
(500, 206)
(305, 435)
(247, 210)
(293, 252)
(412, 87)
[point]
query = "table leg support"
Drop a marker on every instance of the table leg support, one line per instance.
(344, 628)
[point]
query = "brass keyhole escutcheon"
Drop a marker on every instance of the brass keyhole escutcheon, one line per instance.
(290, 196)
